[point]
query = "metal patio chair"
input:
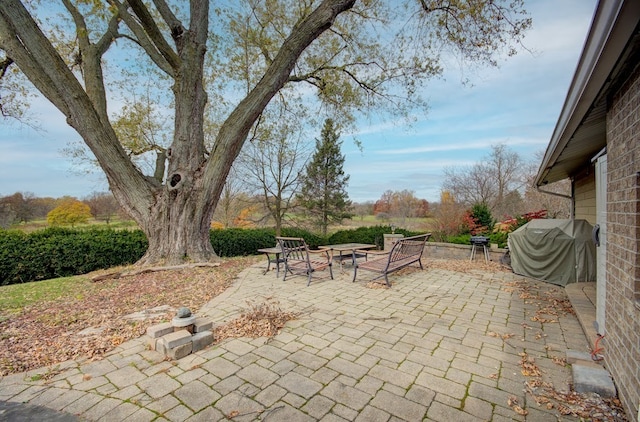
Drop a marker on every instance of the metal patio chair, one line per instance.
(300, 260)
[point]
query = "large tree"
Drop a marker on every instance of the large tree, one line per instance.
(355, 55)
(324, 187)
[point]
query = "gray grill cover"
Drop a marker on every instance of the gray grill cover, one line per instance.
(557, 251)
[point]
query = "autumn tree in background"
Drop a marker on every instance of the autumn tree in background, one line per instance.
(69, 213)
(273, 162)
(103, 206)
(233, 201)
(362, 209)
(323, 194)
(17, 208)
(357, 57)
(448, 216)
(243, 220)
(7, 215)
(554, 198)
(23, 207)
(401, 205)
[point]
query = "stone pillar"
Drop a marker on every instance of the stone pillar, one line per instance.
(390, 240)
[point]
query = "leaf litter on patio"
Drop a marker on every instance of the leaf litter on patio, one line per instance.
(551, 304)
(261, 319)
(47, 333)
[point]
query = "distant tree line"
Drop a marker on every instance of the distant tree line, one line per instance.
(66, 211)
(501, 186)
(278, 182)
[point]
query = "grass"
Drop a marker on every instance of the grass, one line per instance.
(116, 224)
(15, 297)
(412, 223)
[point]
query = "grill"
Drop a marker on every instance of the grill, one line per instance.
(479, 242)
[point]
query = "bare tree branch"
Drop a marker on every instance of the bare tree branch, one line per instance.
(150, 47)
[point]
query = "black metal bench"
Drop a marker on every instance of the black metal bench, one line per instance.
(405, 251)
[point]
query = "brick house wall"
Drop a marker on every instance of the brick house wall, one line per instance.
(622, 341)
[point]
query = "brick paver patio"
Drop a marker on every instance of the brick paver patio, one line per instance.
(438, 346)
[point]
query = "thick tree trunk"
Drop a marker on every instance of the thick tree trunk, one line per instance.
(177, 226)
(178, 231)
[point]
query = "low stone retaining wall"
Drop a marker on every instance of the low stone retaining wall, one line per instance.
(439, 250)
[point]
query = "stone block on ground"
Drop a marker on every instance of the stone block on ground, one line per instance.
(177, 338)
(152, 343)
(180, 351)
(203, 324)
(201, 340)
(159, 330)
(583, 358)
(592, 379)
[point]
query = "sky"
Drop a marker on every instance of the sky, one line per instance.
(516, 104)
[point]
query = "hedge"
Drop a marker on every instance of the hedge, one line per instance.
(59, 252)
(62, 252)
(371, 235)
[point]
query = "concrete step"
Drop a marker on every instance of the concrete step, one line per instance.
(590, 376)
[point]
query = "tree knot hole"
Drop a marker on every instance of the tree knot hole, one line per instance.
(175, 180)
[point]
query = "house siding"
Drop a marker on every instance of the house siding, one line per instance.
(585, 197)
(622, 342)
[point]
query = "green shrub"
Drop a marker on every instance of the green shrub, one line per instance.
(459, 239)
(499, 238)
(312, 239)
(483, 218)
(60, 252)
(465, 239)
(241, 242)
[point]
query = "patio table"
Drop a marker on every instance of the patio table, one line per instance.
(348, 247)
(277, 259)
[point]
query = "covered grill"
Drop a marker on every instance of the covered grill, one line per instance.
(557, 251)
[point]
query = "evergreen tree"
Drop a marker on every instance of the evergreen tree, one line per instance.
(323, 192)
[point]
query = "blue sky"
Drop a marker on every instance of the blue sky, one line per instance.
(516, 104)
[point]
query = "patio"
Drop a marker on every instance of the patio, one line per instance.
(470, 344)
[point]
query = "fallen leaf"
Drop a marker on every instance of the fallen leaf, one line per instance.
(520, 411)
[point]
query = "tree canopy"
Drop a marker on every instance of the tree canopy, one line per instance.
(69, 213)
(215, 67)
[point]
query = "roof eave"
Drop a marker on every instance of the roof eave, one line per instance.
(613, 24)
